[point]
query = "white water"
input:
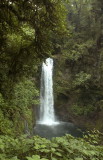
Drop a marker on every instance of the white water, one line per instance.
(47, 114)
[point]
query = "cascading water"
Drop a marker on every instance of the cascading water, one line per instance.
(47, 115)
(47, 126)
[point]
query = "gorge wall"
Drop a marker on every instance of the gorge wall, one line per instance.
(78, 98)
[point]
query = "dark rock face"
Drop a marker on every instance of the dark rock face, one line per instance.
(77, 99)
(63, 105)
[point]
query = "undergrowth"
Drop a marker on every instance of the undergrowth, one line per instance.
(60, 148)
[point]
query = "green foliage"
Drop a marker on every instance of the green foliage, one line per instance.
(22, 39)
(25, 94)
(14, 42)
(5, 124)
(36, 157)
(94, 137)
(62, 148)
(79, 63)
(81, 79)
(26, 32)
(16, 112)
(1, 100)
(82, 110)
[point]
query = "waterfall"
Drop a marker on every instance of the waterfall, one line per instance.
(47, 126)
(47, 115)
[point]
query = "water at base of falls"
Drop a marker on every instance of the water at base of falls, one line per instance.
(48, 123)
(57, 130)
(47, 114)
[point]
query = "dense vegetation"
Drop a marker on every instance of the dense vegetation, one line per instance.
(26, 30)
(79, 82)
(59, 148)
(70, 31)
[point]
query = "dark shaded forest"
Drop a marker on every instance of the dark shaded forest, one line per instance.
(78, 83)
